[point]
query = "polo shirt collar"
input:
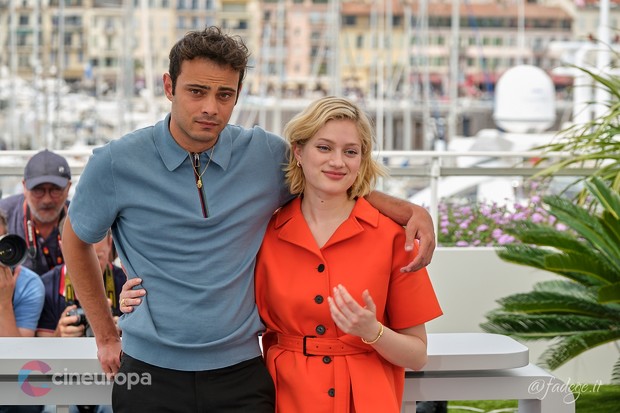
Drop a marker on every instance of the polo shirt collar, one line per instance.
(173, 155)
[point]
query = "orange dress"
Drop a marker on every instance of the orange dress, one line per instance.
(328, 370)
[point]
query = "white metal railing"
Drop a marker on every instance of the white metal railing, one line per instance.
(435, 165)
(427, 165)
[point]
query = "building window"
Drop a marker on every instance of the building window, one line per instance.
(349, 20)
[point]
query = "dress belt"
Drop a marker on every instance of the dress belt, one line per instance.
(319, 346)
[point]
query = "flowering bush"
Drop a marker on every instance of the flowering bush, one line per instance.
(484, 225)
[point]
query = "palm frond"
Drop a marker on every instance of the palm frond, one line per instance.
(545, 326)
(611, 226)
(566, 287)
(543, 235)
(538, 302)
(591, 265)
(535, 257)
(575, 216)
(569, 347)
(609, 83)
(615, 373)
(585, 224)
(607, 198)
(523, 255)
(609, 293)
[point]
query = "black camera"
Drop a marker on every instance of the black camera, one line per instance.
(12, 250)
(79, 312)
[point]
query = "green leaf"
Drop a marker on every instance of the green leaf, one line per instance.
(586, 225)
(568, 347)
(592, 265)
(611, 227)
(609, 293)
(607, 198)
(544, 235)
(523, 255)
(615, 373)
(545, 326)
(565, 287)
(539, 302)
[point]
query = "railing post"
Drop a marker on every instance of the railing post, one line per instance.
(434, 186)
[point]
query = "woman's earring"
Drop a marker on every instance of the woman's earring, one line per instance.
(298, 164)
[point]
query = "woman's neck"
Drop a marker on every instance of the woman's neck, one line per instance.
(325, 215)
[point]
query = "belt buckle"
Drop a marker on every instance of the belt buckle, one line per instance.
(304, 345)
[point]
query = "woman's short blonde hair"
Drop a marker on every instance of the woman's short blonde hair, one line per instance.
(299, 130)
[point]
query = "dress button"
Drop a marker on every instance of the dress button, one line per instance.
(331, 392)
(320, 329)
(327, 359)
(321, 268)
(318, 299)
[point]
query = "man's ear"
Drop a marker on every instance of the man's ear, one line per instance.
(168, 86)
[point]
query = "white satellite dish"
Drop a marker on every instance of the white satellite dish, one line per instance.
(524, 100)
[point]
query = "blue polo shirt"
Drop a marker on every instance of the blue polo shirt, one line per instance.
(27, 298)
(199, 312)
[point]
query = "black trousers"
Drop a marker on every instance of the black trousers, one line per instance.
(244, 387)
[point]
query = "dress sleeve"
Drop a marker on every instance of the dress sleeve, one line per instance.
(411, 298)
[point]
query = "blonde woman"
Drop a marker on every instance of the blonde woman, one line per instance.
(342, 320)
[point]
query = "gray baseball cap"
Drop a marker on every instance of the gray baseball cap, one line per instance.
(47, 167)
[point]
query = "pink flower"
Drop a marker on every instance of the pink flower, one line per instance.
(505, 239)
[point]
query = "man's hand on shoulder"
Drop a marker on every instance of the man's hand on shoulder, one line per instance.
(420, 227)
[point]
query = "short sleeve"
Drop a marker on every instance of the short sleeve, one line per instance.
(28, 299)
(411, 299)
(93, 207)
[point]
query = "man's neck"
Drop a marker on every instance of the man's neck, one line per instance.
(45, 228)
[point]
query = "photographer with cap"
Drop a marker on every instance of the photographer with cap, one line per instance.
(35, 214)
(21, 296)
(21, 300)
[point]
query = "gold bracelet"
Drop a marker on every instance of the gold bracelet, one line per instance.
(378, 335)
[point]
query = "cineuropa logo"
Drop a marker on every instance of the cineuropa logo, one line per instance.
(68, 379)
(34, 390)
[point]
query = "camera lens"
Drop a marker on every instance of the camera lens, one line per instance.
(12, 250)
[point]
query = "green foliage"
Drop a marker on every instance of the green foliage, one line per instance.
(593, 144)
(590, 398)
(581, 311)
